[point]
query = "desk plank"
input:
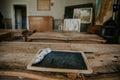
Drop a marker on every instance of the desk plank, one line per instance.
(70, 37)
(102, 58)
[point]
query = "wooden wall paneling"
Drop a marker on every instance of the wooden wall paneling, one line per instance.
(41, 23)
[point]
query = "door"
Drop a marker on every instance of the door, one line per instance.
(20, 16)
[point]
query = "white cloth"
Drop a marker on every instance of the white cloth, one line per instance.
(41, 56)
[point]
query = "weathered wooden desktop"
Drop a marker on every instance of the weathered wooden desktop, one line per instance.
(13, 31)
(68, 37)
(15, 56)
(5, 36)
(8, 34)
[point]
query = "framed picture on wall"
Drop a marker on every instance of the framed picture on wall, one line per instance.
(85, 14)
(72, 25)
(43, 5)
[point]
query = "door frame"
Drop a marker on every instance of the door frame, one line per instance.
(13, 14)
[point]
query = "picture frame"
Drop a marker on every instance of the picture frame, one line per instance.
(85, 14)
(72, 25)
(43, 5)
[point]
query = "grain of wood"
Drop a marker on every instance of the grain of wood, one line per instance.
(103, 58)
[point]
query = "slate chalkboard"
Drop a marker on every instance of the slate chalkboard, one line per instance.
(62, 61)
(66, 60)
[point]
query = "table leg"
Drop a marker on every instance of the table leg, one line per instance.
(79, 76)
(82, 77)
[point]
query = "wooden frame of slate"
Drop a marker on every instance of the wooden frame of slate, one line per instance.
(62, 58)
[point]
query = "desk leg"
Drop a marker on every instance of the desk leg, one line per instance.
(79, 76)
(82, 77)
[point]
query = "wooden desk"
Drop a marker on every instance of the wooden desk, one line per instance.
(5, 36)
(14, 32)
(68, 37)
(15, 56)
(10, 34)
